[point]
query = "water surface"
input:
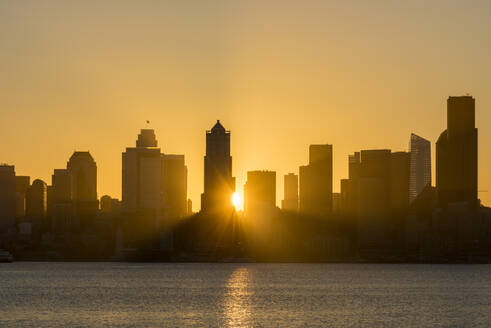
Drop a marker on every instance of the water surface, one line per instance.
(34, 294)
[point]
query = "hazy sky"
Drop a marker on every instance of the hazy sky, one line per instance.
(85, 75)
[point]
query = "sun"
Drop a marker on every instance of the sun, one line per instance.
(236, 200)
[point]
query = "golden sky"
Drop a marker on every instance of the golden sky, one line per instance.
(280, 75)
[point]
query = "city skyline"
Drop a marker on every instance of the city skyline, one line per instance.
(293, 73)
(148, 138)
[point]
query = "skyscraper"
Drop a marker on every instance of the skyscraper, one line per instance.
(399, 181)
(316, 181)
(83, 174)
(22, 183)
(420, 166)
(373, 197)
(290, 201)
(142, 175)
(152, 181)
(175, 175)
(37, 202)
(259, 191)
(62, 211)
(456, 154)
(219, 185)
(7, 198)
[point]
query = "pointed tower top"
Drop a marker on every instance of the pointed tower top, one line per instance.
(218, 128)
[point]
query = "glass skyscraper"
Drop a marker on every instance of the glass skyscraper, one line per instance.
(420, 165)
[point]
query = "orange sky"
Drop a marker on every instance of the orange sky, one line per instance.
(280, 75)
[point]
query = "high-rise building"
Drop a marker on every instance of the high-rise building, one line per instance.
(373, 197)
(7, 198)
(142, 175)
(259, 191)
(83, 174)
(219, 185)
(152, 181)
(399, 180)
(37, 201)
(62, 211)
(316, 181)
(175, 175)
(22, 183)
(456, 154)
(420, 166)
(290, 201)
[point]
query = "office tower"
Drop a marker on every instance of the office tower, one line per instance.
(83, 174)
(62, 212)
(456, 154)
(399, 180)
(349, 187)
(7, 198)
(259, 191)
(316, 181)
(21, 185)
(37, 202)
(142, 175)
(290, 201)
(420, 167)
(219, 185)
(373, 208)
(175, 174)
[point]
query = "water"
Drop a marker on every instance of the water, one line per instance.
(243, 295)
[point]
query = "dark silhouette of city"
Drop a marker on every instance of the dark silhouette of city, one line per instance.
(386, 210)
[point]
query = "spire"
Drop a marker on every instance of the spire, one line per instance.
(218, 128)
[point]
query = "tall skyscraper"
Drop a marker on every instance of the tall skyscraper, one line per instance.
(37, 201)
(7, 198)
(456, 154)
(83, 174)
(142, 175)
(420, 167)
(62, 211)
(22, 183)
(152, 181)
(175, 175)
(373, 197)
(316, 181)
(290, 201)
(219, 185)
(259, 191)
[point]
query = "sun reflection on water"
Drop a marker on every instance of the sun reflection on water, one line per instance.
(237, 300)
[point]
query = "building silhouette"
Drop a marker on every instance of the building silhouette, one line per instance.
(61, 198)
(290, 201)
(190, 206)
(83, 174)
(259, 191)
(22, 183)
(37, 204)
(315, 187)
(456, 154)
(7, 198)
(175, 175)
(153, 182)
(376, 195)
(399, 181)
(420, 166)
(219, 185)
(142, 175)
